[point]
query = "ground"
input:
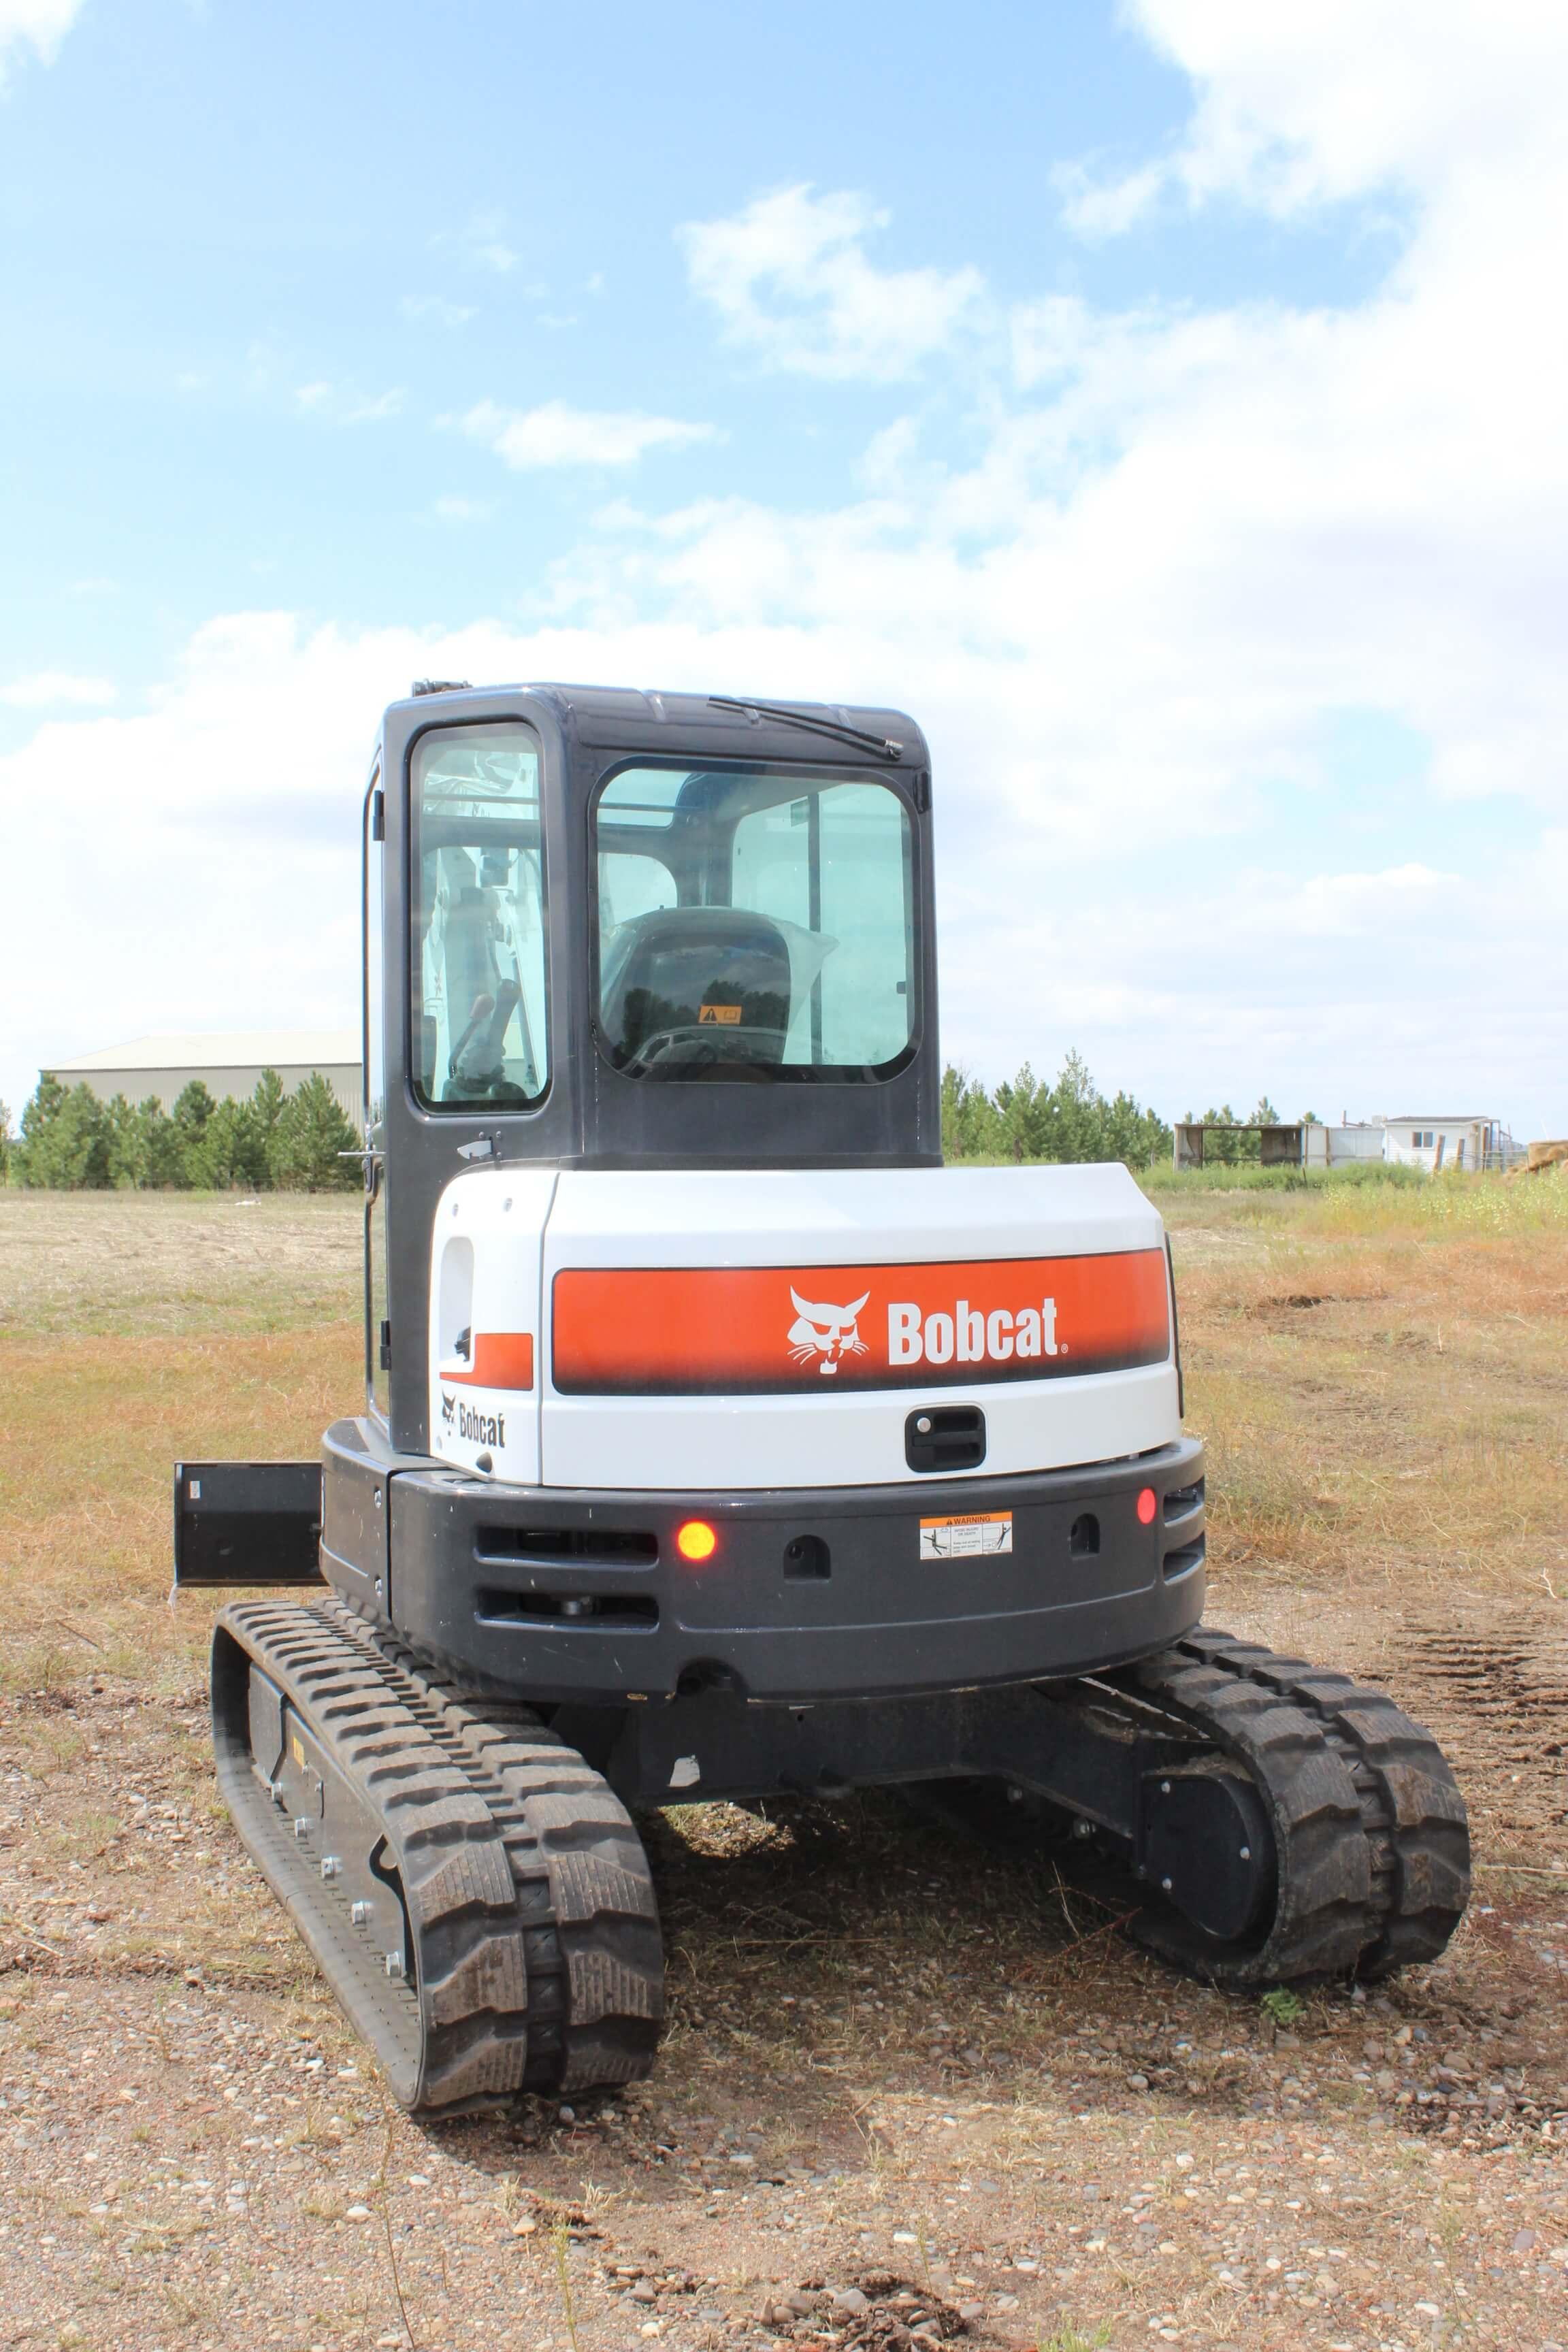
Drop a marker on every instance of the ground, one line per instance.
(892, 2066)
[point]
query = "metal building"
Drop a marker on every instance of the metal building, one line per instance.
(1426, 1140)
(229, 1064)
(1416, 1140)
(1339, 1147)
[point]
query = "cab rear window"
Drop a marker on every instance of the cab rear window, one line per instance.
(753, 925)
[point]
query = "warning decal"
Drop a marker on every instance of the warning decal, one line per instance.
(970, 1535)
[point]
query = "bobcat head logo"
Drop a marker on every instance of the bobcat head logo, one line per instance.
(828, 1333)
(449, 1409)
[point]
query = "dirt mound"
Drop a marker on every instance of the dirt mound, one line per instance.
(881, 2310)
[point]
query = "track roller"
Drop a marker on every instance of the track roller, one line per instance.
(475, 1894)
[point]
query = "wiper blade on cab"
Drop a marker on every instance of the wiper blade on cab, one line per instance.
(811, 725)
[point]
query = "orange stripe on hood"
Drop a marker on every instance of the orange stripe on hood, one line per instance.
(501, 1359)
(713, 1330)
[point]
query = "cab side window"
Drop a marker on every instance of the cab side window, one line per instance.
(479, 1011)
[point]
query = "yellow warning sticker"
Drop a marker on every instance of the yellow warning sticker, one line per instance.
(968, 1536)
(298, 1747)
(727, 1015)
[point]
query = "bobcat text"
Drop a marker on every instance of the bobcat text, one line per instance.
(970, 1336)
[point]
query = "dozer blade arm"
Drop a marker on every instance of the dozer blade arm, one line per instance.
(247, 1523)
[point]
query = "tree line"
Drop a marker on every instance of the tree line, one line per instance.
(70, 1142)
(1025, 1118)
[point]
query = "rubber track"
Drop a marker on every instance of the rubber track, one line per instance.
(538, 1957)
(1413, 1814)
(598, 2022)
(1371, 1836)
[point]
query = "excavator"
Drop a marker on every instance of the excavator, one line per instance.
(717, 1441)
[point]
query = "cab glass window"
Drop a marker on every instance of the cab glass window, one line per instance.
(479, 1026)
(753, 925)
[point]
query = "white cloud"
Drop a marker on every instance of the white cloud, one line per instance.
(455, 508)
(556, 435)
(1303, 106)
(48, 687)
(372, 410)
(228, 864)
(483, 243)
(39, 24)
(1349, 906)
(342, 406)
(1097, 208)
(436, 310)
(790, 280)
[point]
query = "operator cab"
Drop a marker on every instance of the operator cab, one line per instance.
(629, 930)
(746, 924)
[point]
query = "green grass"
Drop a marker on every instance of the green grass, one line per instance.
(1283, 2006)
(1373, 1201)
(1248, 1176)
(1460, 1206)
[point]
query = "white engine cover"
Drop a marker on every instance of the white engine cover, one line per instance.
(484, 1295)
(716, 1328)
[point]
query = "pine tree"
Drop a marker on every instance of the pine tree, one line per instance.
(1025, 1120)
(310, 1133)
(144, 1149)
(228, 1150)
(65, 1138)
(970, 1125)
(127, 1163)
(267, 1106)
(1026, 1116)
(194, 1106)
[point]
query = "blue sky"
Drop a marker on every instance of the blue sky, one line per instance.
(1158, 400)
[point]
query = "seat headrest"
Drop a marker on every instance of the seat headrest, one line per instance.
(685, 984)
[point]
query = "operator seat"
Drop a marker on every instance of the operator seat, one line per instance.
(688, 989)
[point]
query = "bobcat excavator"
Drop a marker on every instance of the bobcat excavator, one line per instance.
(717, 1441)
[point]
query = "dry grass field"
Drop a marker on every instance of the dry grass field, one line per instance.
(890, 2063)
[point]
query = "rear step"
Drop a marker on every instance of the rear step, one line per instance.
(476, 1895)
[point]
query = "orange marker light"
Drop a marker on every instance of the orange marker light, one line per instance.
(695, 1540)
(1148, 1504)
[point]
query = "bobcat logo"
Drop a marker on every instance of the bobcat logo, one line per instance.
(449, 1409)
(826, 1331)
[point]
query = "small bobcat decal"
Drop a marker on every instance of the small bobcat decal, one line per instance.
(828, 1332)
